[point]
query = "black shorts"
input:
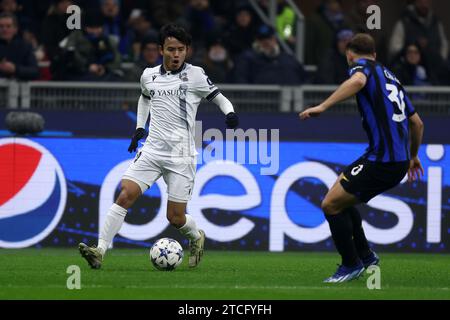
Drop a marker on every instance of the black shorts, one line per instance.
(367, 179)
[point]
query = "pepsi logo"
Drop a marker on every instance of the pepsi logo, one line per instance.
(33, 193)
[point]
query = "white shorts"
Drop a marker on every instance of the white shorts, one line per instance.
(177, 172)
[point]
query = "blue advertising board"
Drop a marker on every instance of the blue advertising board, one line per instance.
(56, 192)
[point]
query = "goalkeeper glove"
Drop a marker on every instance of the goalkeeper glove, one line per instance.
(138, 135)
(232, 120)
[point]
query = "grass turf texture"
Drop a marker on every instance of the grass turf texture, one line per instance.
(128, 274)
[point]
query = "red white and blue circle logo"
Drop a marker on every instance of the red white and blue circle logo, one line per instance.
(33, 193)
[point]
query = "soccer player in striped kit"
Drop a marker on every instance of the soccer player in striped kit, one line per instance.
(395, 133)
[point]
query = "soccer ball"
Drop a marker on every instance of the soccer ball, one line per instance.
(166, 254)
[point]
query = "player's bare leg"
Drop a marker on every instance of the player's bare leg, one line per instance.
(176, 214)
(339, 200)
(335, 202)
(129, 193)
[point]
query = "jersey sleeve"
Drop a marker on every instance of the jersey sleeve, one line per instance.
(359, 68)
(204, 87)
(409, 108)
(144, 90)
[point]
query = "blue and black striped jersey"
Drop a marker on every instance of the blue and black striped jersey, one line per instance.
(385, 110)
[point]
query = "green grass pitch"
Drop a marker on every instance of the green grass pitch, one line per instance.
(128, 274)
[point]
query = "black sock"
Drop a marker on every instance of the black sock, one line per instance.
(359, 238)
(342, 233)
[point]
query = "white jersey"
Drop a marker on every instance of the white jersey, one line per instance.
(174, 96)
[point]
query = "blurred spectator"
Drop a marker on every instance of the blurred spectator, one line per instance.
(419, 24)
(286, 22)
(266, 63)
(217, 63)
(54, 27)
(224, 11)
(195, 54)
(90, 54)
(8, 6)
(357, 16)
(240, 35)
(285, 19)
(199, 20)
(16, 56)
(114, 26)
(37, 10)
(164, 11)
(149, 58)
(320, 30)
(88, 5)
(128, 6)
(25, 22)
(356, 20)
(150, 52)
(42, 59)
(333, 68)
(140, 29)
(412, 68)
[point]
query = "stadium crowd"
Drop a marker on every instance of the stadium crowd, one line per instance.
(119, 39)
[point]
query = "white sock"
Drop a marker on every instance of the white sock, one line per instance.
(190, 229)
(113, 222)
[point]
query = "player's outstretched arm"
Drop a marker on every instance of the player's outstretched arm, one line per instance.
(347, 89)
(416, 131)
(231, 120)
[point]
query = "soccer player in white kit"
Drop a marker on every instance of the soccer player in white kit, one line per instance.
(170, 94)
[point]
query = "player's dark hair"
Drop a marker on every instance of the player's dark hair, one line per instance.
(362, 44)
(174, 31)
